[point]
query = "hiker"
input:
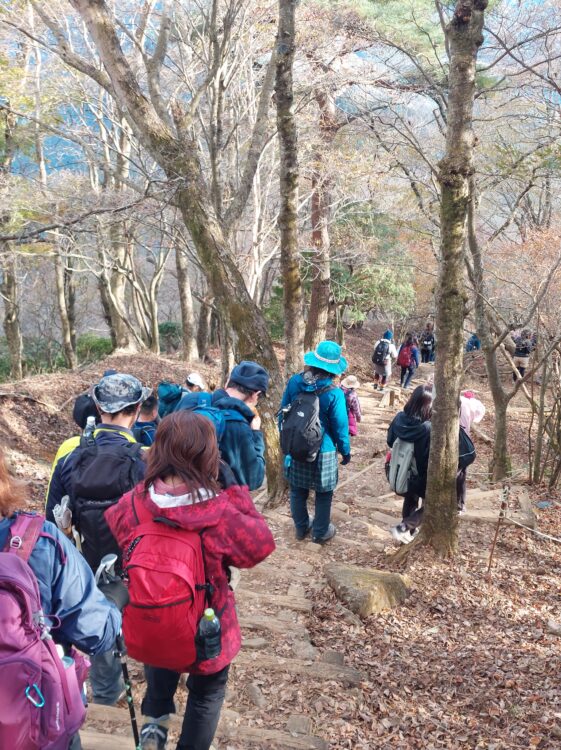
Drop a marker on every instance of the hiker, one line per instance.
(311, 463)
(354, 413)
(472, 411)
(180, 487)
(145, 426)
(412, 426)
(427, 343)
(85, 407)
(78, 613)
(524, 347)
(384, 350)
(95, 472)
(194, 382)
(473, 343)
(408, 359)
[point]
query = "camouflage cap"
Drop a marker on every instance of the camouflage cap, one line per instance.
(115, 392)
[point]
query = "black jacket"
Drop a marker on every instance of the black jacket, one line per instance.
(412, 430)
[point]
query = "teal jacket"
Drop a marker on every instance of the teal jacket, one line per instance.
(332, 412)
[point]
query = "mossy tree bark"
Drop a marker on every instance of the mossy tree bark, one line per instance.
(62, 301)
(464, 37)
(288, 213)
(188, 332)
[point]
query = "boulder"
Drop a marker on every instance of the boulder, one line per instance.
(365, 590)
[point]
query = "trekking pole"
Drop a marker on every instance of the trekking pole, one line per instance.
(502, 515)
(105, 575)
(121, 654)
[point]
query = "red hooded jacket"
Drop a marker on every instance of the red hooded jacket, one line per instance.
(235, 534)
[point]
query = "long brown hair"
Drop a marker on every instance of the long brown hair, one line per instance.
(185, 446)
(13, 492)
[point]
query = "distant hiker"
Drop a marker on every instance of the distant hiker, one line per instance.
(145, 426)
(95, 472)
(384, 350)
(473, 343)
(85, 407)
(36, 554)
(524, 347)
(409, 439)
(427, 343)
(314, 426)
(203, 530)
(194, 382)
(354, 413)
(408, 359)
(233, 411)
(472, 411)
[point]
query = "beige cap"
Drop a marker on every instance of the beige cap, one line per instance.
(351, 382)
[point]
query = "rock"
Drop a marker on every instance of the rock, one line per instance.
(333, 657)
(297, 724)
(348, 616)
(256, 696)
(554, 627)
(365, 590)
(305, 651)
(255, 643)
(343, 507)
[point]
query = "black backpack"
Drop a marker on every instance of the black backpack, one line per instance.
(381, 352)
(101, 475)
(301, 431)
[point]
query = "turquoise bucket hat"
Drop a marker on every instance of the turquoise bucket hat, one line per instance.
(328, 357)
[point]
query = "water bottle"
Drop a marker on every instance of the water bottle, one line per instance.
(209, 637)
(90, 427)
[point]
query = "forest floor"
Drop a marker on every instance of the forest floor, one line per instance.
(465, 662)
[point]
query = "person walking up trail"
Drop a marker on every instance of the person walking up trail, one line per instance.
(314, 426)
(427, 344)
(384, 351)
(94, 471)
(408, 359)
(69, 599)
(524, 347)
(180, 492)
(354, 413)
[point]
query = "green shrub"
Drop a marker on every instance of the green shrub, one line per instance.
(90, 347)
(170, 336)
(274, 314)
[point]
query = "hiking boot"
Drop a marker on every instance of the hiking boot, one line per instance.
(381, 389)
(301, 535)
(329, 534)
(401, 534)
(153, 737)
(375, 386)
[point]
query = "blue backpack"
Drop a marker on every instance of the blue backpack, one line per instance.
(201, 403)
(169, 396)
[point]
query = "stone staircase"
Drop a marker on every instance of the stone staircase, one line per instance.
(274, 603)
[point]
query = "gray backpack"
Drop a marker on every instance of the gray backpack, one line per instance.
(402, 466)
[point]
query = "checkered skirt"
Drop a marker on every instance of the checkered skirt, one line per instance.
(320, 475)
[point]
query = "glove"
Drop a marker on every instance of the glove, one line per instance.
(346, 460)
(116, 592)
(63, 515)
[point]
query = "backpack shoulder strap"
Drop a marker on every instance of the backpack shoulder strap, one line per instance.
(24, 533)
(327, 388)
(204, 399)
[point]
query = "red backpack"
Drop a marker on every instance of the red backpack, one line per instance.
(167, 586)
(404, 357)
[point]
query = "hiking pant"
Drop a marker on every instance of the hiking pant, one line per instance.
(106, 678)
(299, 510)
(75, 743)
(425, 355)
(406, 375)
(410, 513)
(206, 696)
(461, 489)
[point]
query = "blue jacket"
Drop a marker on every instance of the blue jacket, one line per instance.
(60, 483)
(332, 412)
(242, 448)
(68, 591)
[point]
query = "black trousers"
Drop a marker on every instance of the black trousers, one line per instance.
(425, 355)
(206, 696)
(412, 515)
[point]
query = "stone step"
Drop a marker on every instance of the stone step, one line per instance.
(317, 670)
(282, 601)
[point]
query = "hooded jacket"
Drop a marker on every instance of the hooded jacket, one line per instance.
(332, 411)
(413, 430)
(232, 533)
(68, 592)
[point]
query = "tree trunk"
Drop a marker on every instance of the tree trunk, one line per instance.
(288, 212)
(188, 337)
(464, 36)
(540, 430)
(106, 307)
(12, 327)
(69, 351)
(70, 296)
(203, 328)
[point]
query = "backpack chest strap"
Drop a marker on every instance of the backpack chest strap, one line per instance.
(24, 533)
